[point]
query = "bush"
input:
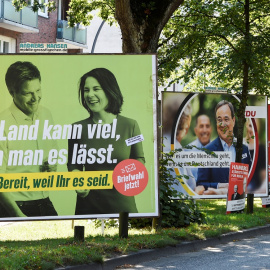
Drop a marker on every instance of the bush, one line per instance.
(177, 209)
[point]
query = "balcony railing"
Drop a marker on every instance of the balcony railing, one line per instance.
(74, 34)
(25, 17)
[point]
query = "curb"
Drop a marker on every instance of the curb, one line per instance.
(152, 254)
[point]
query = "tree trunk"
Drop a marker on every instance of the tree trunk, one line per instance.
(141, 23)
(245, 89)
(244, 96)
(241, 113)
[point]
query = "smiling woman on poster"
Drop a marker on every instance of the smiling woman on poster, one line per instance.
(100, 95)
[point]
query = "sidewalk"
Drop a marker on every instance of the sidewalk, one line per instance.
(152, 254)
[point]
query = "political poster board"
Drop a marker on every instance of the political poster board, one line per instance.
(237, 187)
(202, 174)
(266, 200)
(65, 153)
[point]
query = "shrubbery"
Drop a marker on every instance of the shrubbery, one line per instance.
(178, 212)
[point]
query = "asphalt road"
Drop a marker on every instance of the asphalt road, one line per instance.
(248, 250)
(253, 254)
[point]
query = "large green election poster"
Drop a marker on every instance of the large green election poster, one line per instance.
(77, 136)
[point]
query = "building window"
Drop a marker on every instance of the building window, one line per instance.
(43, 11)
(7, 45)
(64, 9)
(4, 46)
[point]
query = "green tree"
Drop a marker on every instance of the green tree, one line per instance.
(140, 21)
(223, 43)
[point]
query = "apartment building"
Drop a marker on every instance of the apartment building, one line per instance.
(38, 27)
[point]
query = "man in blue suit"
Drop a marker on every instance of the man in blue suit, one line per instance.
(215, 180)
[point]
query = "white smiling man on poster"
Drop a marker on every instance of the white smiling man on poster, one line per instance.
(180, 112)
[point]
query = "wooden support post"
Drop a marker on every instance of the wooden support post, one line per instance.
(250, 201)
(79, 233)
(123, 225)
(154, 224)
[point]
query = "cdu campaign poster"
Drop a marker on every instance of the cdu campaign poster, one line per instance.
(73, 141)
(201, 129)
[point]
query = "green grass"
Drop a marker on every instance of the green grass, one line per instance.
(50, 244)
